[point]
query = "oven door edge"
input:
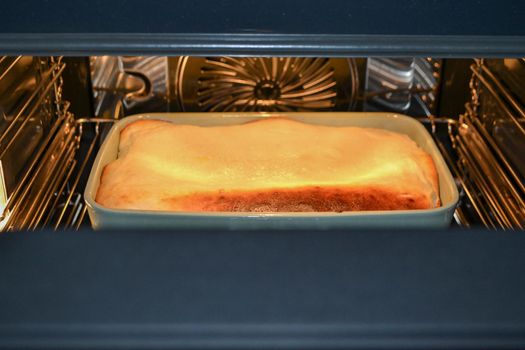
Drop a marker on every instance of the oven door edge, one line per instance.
(287, 289)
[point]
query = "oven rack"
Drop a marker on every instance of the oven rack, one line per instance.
(42, 92)
(36, 112)
(47, 193)
(498, 162)
(69, 210)
(485, 195)
(59, 203)
(490, 191)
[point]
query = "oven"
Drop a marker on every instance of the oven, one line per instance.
(72, 70)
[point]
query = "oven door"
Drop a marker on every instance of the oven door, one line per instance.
(262, 290)
(285, 290)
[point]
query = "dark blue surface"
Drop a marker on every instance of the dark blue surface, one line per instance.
(401, 17)
(262, 289)
(344, 28)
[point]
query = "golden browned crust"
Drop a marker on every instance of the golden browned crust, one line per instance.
(103, 191)
(306, 199)
(433, 177)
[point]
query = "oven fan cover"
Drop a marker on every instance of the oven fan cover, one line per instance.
(285, 84)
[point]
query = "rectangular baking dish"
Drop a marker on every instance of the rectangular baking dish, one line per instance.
(102, 217)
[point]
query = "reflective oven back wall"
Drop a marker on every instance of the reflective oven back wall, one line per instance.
(128, 85)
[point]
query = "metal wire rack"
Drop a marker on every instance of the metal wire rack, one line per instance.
(500, 185)
(493, 191)
(42, 165)
(57, 202)
(47, 193)
(68, 210)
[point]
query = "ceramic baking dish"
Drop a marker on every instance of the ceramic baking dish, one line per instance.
(102, 217)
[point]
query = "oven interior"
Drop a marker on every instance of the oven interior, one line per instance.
(56, 111)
